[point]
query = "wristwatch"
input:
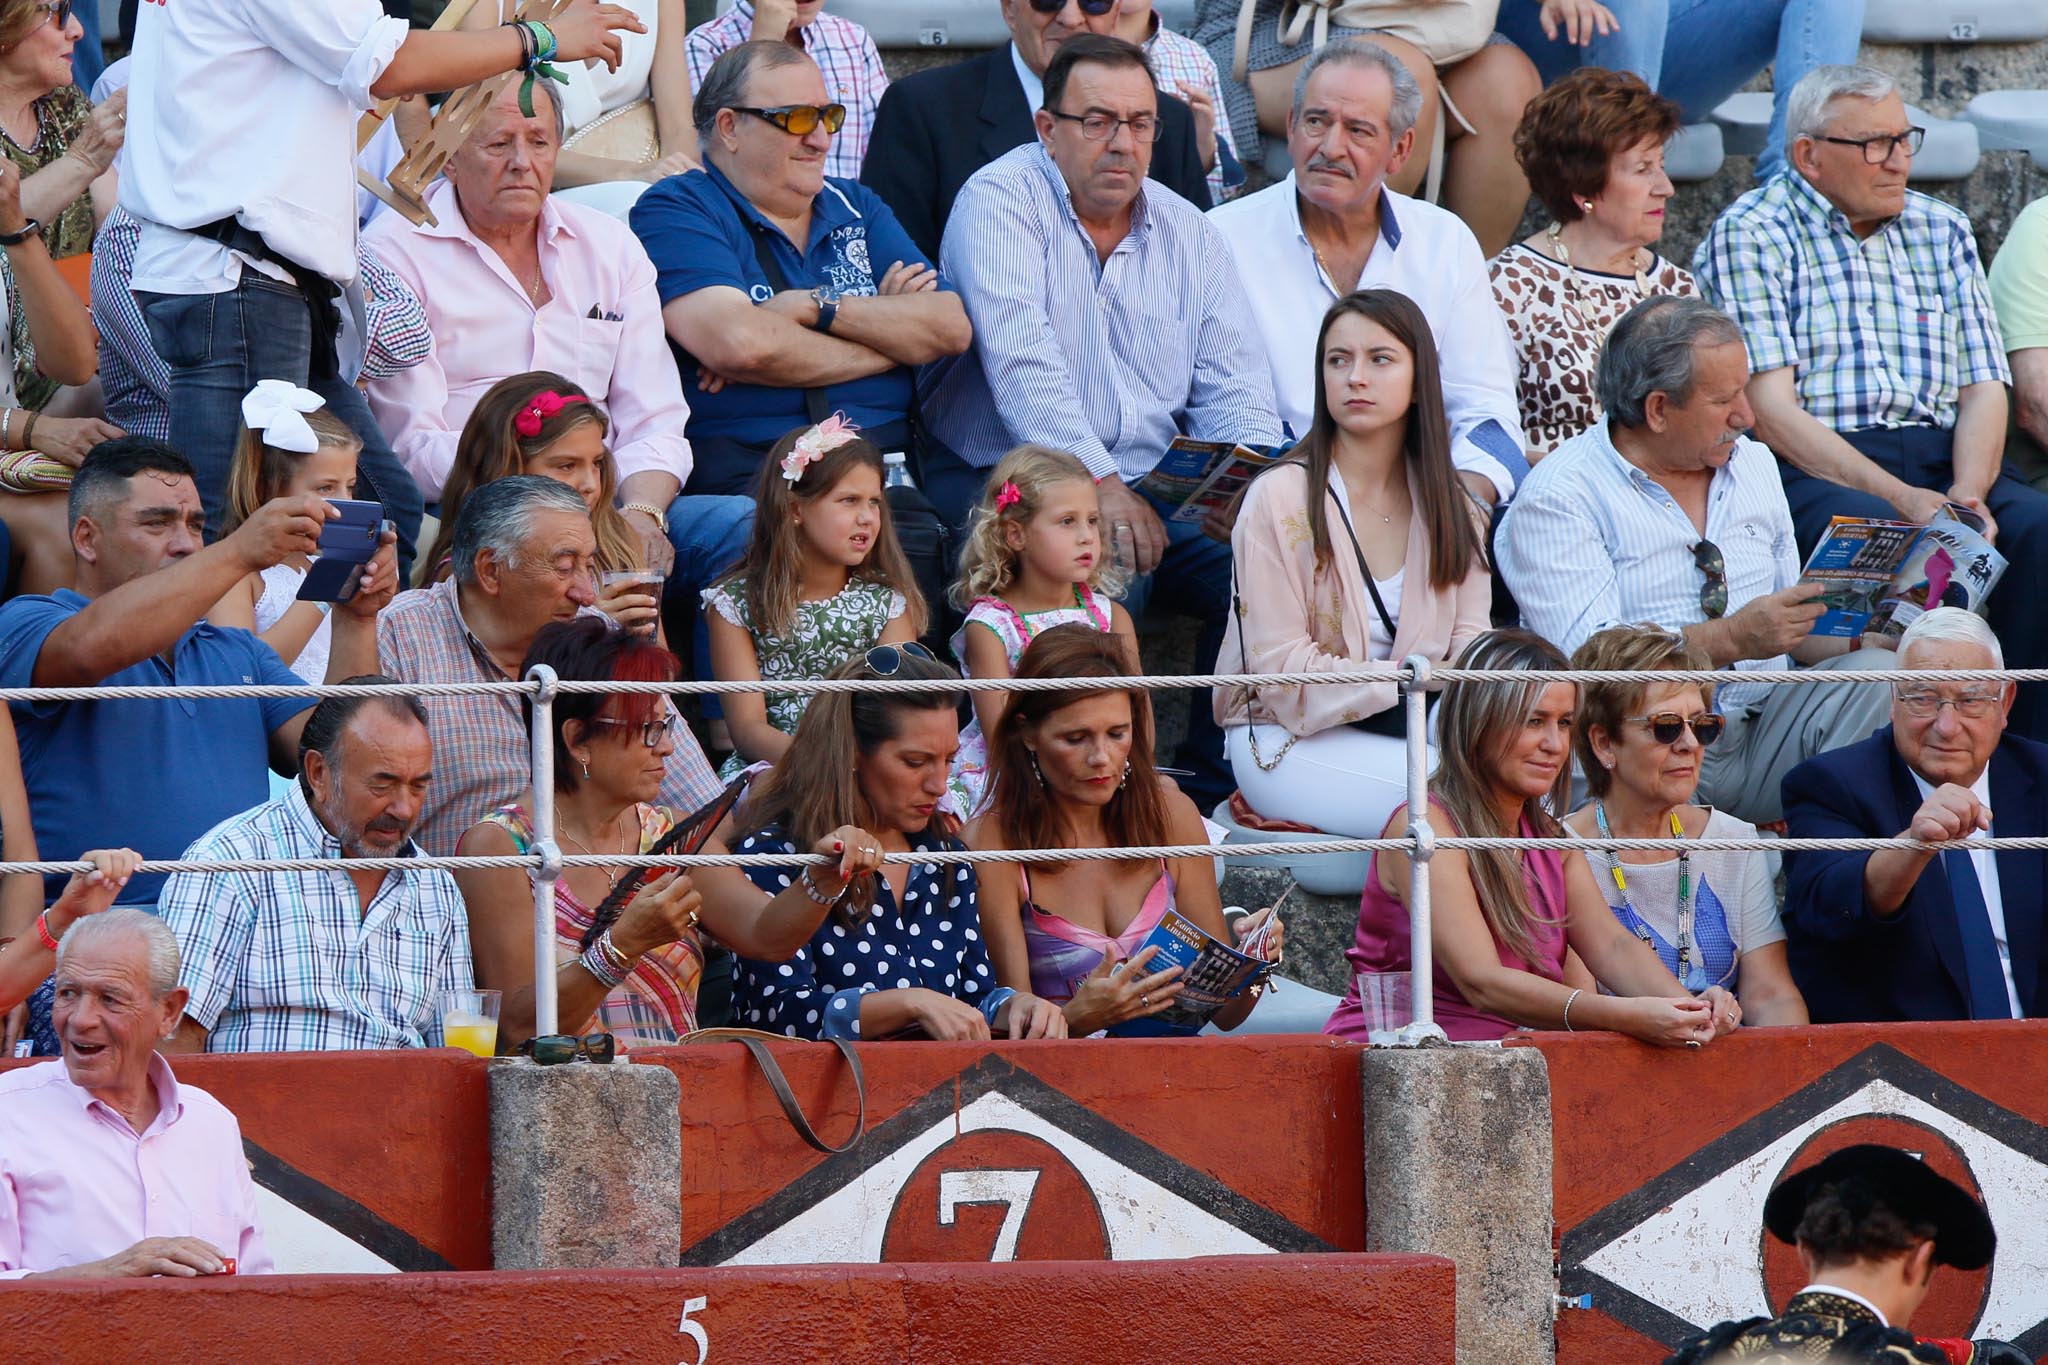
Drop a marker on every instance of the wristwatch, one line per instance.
(827, 299)
(28, 230)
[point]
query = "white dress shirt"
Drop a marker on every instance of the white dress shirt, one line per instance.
(250, 108)
(1984, 862)
(1424, 252)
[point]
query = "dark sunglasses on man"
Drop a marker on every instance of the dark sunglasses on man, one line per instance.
(1094, 9)
(553, 1049)
(798, 119)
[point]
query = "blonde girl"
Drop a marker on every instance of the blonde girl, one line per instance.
(823, 579)
(1034, 559)
(290, 445)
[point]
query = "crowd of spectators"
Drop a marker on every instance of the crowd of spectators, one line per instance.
(689, 332)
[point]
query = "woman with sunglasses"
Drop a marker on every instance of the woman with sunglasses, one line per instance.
(638, 979)
(1515, 931)
(900, 950)
(1712, 918)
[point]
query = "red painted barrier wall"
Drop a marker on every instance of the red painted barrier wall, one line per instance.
(1301, 1310)
(1126, 1150)
(1663, 1158)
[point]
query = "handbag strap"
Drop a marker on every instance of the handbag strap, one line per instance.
(815, 406)
(756, 1045)
(1364, 570)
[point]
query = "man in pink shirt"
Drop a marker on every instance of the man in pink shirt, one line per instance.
(108, 1167)
(515, 280)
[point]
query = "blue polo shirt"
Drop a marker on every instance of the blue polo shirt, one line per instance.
(148, 775)
(699, 231)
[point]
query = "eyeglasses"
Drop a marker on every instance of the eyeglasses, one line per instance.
(884, 660)
(1706, 557)
(1878, 150)
(1925, 704)
(59, 10)
(1093, 8)
(1101, 127)
(553, 1049)
(798, 119)
(1665, 726)
(651, 733)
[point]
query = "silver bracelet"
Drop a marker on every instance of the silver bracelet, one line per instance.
(1576, 993)
(818, 897)
(603, 960)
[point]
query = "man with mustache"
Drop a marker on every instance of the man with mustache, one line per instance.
(315, 961)
(1664, 513)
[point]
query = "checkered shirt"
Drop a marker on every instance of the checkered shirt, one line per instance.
(293, 962)
(482, 757)
(843, 51)
(1180, 64)
(1883, 331)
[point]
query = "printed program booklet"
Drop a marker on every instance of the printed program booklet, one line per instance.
(1194, 478)
(1212, 974)
(1881, 576)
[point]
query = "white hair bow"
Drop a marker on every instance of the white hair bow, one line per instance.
(277, 409)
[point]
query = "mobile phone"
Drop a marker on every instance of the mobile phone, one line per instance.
(347, 542)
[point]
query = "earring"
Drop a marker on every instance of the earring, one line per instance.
(1125, 780)
(1036, 771)
(586, 768)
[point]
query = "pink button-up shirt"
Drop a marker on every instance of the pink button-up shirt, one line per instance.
(601, 326)
(77, 1184)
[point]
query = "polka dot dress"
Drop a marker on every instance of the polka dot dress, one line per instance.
(933, 940)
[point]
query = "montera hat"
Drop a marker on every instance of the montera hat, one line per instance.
(1867, 1176)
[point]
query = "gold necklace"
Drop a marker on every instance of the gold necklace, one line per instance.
(611, 878)
(1564, 258)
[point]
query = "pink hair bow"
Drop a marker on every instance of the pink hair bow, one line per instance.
(830, 434)
(539, 408)
(1008, 496)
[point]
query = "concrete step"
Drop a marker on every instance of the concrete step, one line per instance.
(1696, 152)
(1954, 21)
(2012, 119)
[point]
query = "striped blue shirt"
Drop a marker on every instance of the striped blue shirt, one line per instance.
(1591, 541)
(1108, 359)
(293, 961)
(1881, 331)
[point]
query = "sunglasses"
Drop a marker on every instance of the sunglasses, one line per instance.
(885, 660)
(59, 10)
(651, 733)
(553, 1049)
(798, 119)
(1095, 9)
(1706, 557)
(1665, 726)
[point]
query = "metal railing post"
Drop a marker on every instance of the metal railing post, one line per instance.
(1422, 839)
(543, 742)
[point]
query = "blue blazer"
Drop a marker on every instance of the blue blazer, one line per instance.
(1853, 967)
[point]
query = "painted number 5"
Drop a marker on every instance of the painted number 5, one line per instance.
(1011, 1189)
(695, 1330)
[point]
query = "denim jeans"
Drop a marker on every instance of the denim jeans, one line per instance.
(1711, 48)
(710, 534)
(217, 347)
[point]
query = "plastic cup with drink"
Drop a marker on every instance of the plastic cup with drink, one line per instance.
(630, 588)
(1388, 1003)
(469, 1020)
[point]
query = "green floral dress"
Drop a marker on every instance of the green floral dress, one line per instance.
(823, 636)
(60, 116)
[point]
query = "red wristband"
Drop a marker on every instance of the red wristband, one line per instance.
(43, 931)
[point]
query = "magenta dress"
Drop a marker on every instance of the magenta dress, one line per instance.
(1382, 946)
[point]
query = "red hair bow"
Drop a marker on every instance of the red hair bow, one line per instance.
(539, 408)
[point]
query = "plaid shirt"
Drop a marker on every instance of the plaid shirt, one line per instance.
(293, 961)
(1882, 331)
(1181, 64)
(482, 755)
(843, 51)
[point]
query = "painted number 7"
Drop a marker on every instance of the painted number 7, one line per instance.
(695, 1330)
(1011, 1189)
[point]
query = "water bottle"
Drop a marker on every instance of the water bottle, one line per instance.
(896, 471)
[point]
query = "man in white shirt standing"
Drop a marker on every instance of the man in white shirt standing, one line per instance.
(1332, 227)
(246, 196)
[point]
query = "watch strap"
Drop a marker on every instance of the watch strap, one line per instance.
(28, 230)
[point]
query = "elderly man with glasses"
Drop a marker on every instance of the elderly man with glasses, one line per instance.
(1880, 376)
(1664, 513)
(1904, 933)
(787, 294)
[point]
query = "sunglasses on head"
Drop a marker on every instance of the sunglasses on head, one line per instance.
(885, 660)
(1666, 726)
(1706, 557)
(553, 1049)
(798, 119)
(1095, 9)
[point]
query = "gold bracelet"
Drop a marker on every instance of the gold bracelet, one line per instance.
(650, 509)
(28, 431)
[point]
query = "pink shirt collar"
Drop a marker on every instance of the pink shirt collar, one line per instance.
(169, 1106)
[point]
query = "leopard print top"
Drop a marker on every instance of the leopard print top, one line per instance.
(1558, 323)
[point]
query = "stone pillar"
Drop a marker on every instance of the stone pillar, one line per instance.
(1458, 1164)
(586, 1166)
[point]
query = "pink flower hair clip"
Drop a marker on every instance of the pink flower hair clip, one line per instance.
(1007, 496)
(830, 434)
(540, 408)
